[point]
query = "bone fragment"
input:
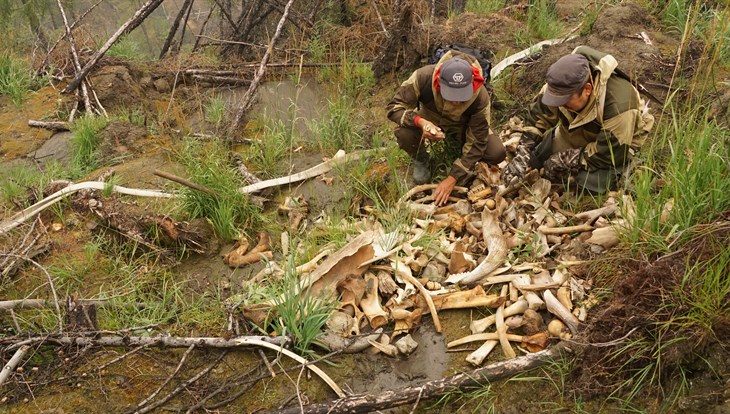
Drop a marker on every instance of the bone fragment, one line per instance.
(605, 237)
(502, 333)
(481, 325)
(590, 216)
(422, 210)
(432, 309)
(564, 230)
(473, 298)
(556, 308)
(532, 322)
(533, 339)
(389, 350)
(386, 284)
(370, 303)
(496, 245)
(477, 357)
(285, 244)
(533, 299)
(334, 342)
(557, 329)
(475, 196)
(405, 320)
(406, 345)
(563, 295)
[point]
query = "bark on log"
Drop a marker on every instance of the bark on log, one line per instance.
(53, 126)
(127, 27)
(14, 342)
(365, 403)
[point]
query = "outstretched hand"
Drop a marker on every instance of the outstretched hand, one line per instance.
(430, 130)
(443, 191)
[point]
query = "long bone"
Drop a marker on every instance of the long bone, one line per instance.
(496, 245)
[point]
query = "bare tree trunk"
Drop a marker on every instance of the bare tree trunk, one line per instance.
(77, 63)
(250, 93)
(202, 28)
(127, 27)
(182, 30)
(173, 29)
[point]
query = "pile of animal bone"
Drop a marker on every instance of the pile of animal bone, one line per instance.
(386, 281)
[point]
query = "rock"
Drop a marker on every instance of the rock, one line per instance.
(406, 345)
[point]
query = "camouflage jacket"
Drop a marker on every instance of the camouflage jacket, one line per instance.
(610, 129)
(470, 118)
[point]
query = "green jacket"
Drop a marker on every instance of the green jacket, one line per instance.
(452, 118)
(610, 129)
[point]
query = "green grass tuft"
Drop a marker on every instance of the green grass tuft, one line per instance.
(16, 78)
(228, 210)
(542, 19)
(482, 7)
(84, 142)
(126, 48)
(339, 128)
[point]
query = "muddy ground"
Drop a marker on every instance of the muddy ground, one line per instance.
(73, 385)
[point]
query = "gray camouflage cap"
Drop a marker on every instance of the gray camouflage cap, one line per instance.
(455, 80)
(564, 78)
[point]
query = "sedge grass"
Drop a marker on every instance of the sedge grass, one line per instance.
(686, 168)
(484, 7)
(84, 143)
(16, 78)
(296, 313)
(228, 210)
(338, 129)
(542, 19)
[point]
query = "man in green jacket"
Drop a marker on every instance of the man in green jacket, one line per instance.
(446, 101)
(584, 126)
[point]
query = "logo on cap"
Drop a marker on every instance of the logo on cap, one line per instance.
(458, 77)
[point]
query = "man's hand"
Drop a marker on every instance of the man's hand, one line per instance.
(517, 167)
(443, 191)
(430, 130)
(563, 164)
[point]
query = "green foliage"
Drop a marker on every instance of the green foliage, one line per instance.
(84, 142)
(317, 50)
(215, 110)
(482, 7)
(709, 23)
(338, 129)
(480, 399)
(19, 182)
(702, 298)
(126, 48)
(352, 77)
(298, 313)
(268, 153)
(228, 210)
(683, 183)
(16, 78)
(542, 19)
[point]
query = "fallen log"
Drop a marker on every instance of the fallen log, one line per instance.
(365, 403)
(50, 125)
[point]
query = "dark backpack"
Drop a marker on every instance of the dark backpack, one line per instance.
(481, 56)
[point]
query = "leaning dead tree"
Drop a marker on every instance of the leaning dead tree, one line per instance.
(127, 27)
(247, 100)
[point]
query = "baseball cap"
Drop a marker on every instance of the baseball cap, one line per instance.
(455, 80)
(564, 78)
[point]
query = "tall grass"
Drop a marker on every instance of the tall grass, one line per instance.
(542, 19)
(268, 153)
(339, 128)
(687, 167)
(127, 48)
(296, 313)
(482, 7)
(84, 142)
(16, 78)
(228, 210)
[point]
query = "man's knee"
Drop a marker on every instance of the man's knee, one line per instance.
(409, 139)
(495, 154)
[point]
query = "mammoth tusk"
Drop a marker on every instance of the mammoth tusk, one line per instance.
(496, 245)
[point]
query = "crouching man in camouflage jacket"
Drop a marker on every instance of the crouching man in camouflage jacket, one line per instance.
(586, 124)
(446, 101)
